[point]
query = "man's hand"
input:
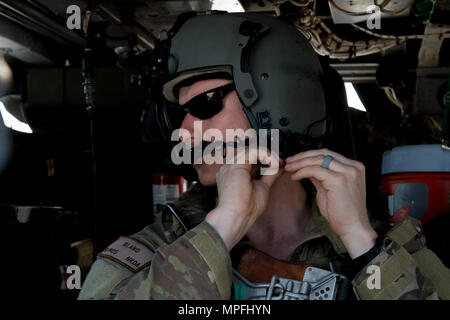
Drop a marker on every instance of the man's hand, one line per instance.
(341, 195)
(242, 199)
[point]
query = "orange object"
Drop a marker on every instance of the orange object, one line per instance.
(438, 184)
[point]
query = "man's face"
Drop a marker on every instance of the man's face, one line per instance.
(230, 117)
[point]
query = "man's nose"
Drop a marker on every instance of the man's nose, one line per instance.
(188, 124)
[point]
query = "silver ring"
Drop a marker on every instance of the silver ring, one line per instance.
(326, 161)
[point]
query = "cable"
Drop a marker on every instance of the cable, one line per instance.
(89, 90)
(391, 98)
(407, 37)
(173, 211)
(326, 43)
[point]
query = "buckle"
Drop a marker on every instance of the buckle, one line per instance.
(317, 284)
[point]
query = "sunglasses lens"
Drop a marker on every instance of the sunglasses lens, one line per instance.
(206, 110)
(208, 104)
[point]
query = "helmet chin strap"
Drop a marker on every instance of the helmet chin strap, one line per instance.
(293, 143)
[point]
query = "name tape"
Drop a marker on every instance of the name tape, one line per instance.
(129, 252)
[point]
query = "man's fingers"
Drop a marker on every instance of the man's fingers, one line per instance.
(335, 164)
(326, 177)
(254, 155)
(325, 152)
(315, 182)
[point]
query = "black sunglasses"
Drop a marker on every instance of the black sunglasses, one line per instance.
(209, 103)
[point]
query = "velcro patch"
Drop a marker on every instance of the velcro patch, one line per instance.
(129, 252)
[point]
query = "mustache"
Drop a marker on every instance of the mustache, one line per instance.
(197, 150)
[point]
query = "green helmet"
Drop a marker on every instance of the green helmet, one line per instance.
(277, 75)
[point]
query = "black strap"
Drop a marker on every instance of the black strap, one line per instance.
(363, 260)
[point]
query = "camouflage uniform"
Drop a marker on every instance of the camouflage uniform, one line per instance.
(197, 265)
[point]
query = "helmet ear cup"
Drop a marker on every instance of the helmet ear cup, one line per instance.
(150, 129)
(160, 120)
(339, 135)
(163, 119)
(157, 124)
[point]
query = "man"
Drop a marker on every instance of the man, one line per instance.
(276, 84)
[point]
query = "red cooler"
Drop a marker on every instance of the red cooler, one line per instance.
(416, 180)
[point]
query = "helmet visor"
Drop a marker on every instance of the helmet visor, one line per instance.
(170, 88)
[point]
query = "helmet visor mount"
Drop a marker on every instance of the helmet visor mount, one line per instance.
(171, 88)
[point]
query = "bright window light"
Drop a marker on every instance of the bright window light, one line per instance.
(11, 122)
(5, 70)
(227, 5)
(353, 98)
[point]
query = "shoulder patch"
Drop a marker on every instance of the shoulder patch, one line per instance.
(128, 252)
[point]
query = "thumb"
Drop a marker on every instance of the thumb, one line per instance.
(315, 182)
(269, 179)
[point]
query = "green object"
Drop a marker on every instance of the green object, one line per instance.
(239, 291)
(423, 9)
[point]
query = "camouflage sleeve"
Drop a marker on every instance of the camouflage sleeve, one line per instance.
(406, 269)
(196, 266)
(103, 276)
